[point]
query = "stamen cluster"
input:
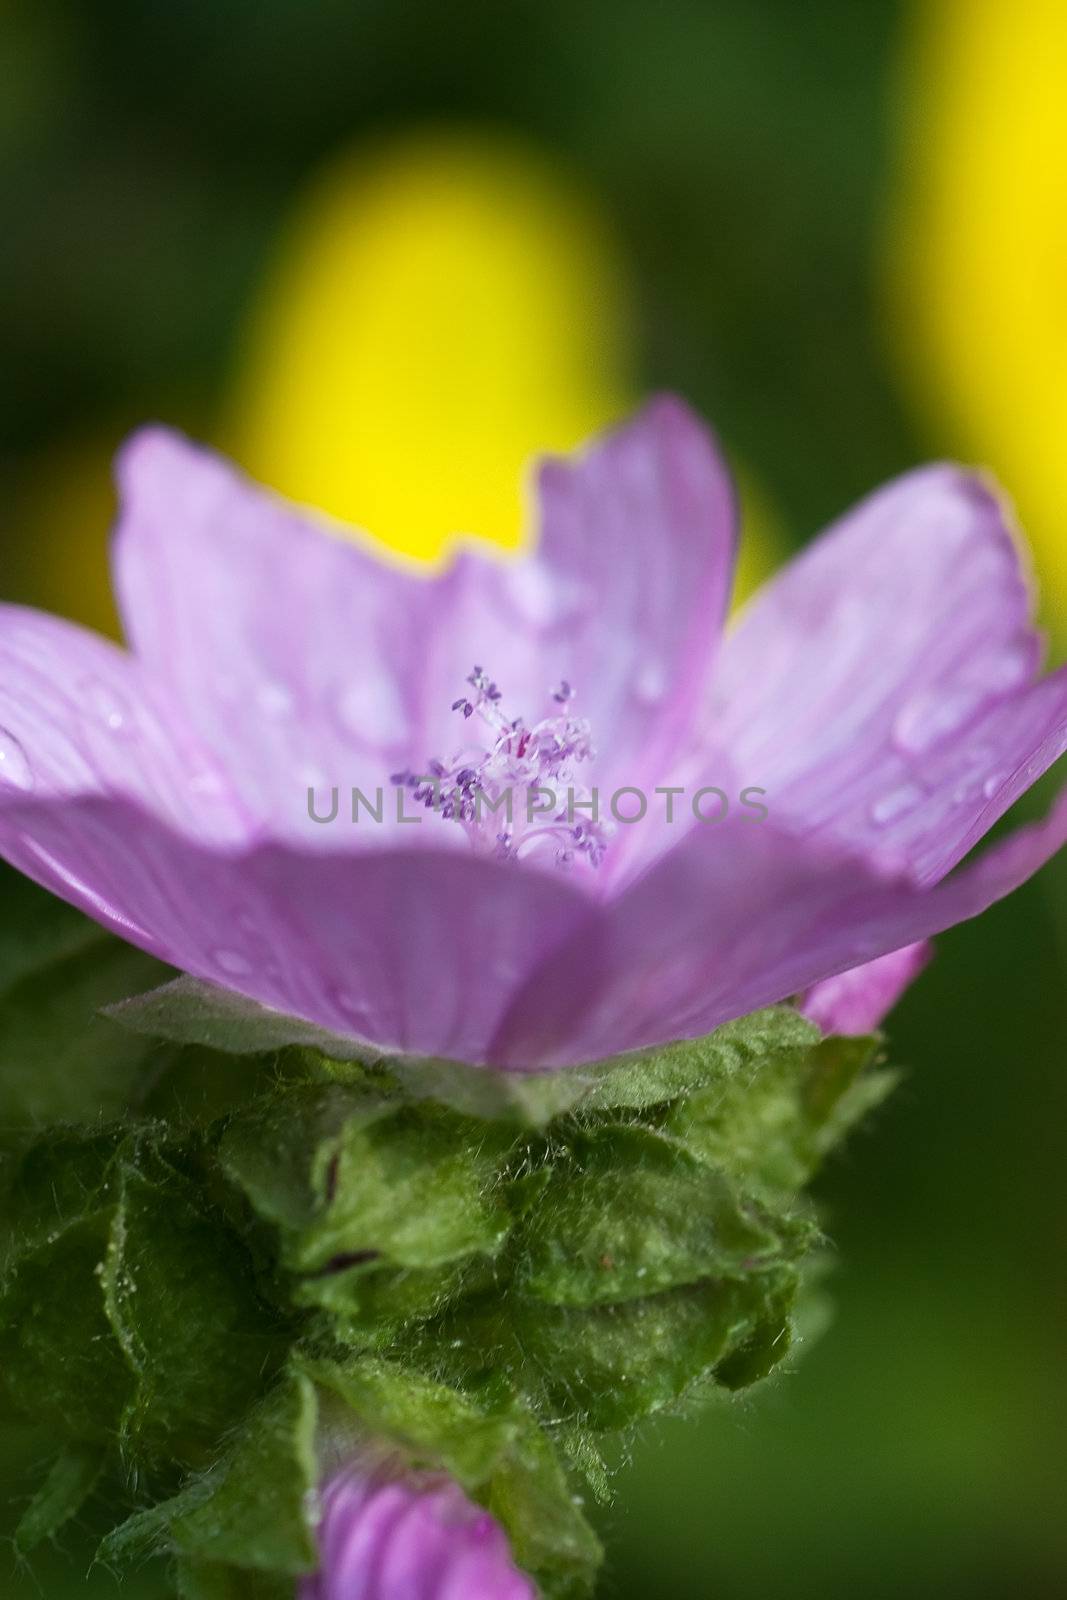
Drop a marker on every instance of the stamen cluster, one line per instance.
(515, 781)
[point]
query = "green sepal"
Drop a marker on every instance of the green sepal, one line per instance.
(603, 1367)
(183, 1304)
(59, 1361)
(274, 1259)
(436, 1426)
(71, 1480)
(493, 1447)
(212, 1580)
(129, 1313)
(774, 1125)
(631, 1212)
(254, 1508)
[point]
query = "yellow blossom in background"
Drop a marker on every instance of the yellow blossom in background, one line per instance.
(62, 507)
(441, 310)
(978, 251)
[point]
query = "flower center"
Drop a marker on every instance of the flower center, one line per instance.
(515, 793)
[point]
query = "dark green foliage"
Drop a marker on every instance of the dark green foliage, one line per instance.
(252, 1270)
(71, 1480)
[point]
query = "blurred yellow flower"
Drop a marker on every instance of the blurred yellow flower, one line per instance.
(978, 250)
(442, 310)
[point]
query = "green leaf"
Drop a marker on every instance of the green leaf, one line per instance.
(732, 1054)
(189, 1011)
(37, 929)
(56, 1180)
(252, 1510)
(632, 1082)
(773, 1126)
(499, 1455)
(604, 1367)
(531, 1497)
(272, 1150)
(210, 1580)
(58, 1359)
(126, 1305)
(71, 1480)
(418, 1189)
(530, 1099)
(350, 1173)
(59, 1060)
(633, 1212)
(183, 1305)
(368, 1304)
(436, 1425)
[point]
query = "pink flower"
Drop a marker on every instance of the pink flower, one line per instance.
(410, 1538)
(856, 1001)
(880, 699)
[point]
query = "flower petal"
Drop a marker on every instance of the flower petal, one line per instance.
(638, 540)
(735, 918)
(302, 661)
(415, 950)
(410, 1538)
(854, 681)
(78, 717)
(856, 1001)
(294, 653)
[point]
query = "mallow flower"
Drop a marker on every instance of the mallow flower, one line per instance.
(733, 817)
(393, 1535)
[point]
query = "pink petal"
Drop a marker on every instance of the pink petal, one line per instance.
(293, 652)
(639, 534)
(417, 950)
(78, 717)
(416, 1537)
(301, 661)
(856, 1001)
(877, 689)
(735, 918)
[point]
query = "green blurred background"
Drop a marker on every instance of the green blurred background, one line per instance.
(744, 201)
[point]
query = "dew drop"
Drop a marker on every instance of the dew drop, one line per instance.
(232, 962)
(650, 684)
(354, 1009)
(113, 711)
(968, 790)
(896, 804)
(371, 708)
(274, 699)
(530, 590)
(15, 769)
(929, 717)
(992, 784)
(205, 782)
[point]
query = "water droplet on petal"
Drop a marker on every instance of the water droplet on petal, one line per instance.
(650, 683)
(896, 804)
(205, 782)
(992, 784)
(232, 962)
(15, 769)
(274, 699)
(968, 790)
(530, 590)
(107, 704)
(354, 1008)
(371, 708)
(932, 716)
